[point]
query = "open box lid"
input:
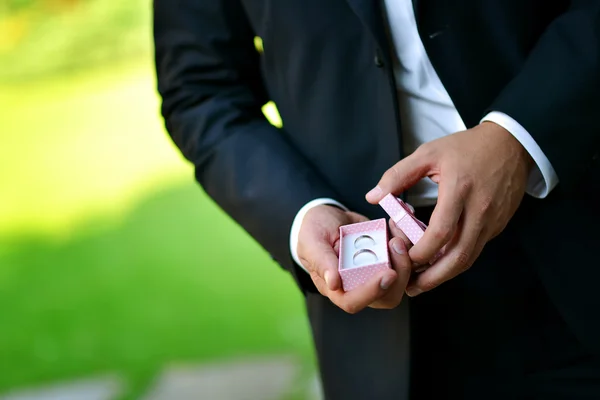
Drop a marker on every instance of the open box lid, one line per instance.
(399, 212)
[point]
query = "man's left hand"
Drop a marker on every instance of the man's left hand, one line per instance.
(482, 175)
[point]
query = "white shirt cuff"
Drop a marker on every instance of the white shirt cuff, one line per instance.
(542, 178)
(295, 231)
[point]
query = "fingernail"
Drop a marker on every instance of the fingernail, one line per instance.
(327, 278)
(413, 291)
(386, 282)
(374, 193)
(399, 246)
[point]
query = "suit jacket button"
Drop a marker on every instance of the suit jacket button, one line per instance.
(378, 60)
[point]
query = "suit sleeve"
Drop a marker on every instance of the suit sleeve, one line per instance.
(210, 81)
(556, 97)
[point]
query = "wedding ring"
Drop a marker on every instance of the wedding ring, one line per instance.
(363, 241)
(364, 256)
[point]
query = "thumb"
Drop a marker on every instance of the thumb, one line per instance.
(323, 261)
(404, 174)
(400, 261)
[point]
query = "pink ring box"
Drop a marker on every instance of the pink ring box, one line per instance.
(363, 252)
(353, 273)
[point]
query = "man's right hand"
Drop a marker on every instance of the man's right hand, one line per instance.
(318, 249)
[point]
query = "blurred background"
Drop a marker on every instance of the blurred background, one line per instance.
(118, 277)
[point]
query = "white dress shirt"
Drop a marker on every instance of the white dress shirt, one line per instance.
(427, 113)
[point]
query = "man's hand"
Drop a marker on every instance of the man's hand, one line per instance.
(318, 249)
(482, 174)
(398, 250)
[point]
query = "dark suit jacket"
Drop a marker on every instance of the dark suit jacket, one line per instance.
(327, 65)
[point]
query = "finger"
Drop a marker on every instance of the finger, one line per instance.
(356, 217)
(442, 224)
(371, 291)
(397, 232)
(323, 260)
(401, 263)
(401, 176)
(460, 255)
(320, 284)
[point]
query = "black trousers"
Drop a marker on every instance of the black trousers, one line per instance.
(491, 333)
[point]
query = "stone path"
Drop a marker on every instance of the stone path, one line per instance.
(265, 379)
(102, 388)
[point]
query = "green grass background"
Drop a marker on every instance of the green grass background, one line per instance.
(112, 260)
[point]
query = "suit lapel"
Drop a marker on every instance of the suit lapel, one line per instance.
(417, 10)
(370, 14)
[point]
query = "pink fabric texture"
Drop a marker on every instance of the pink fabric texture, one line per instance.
(356, 276)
